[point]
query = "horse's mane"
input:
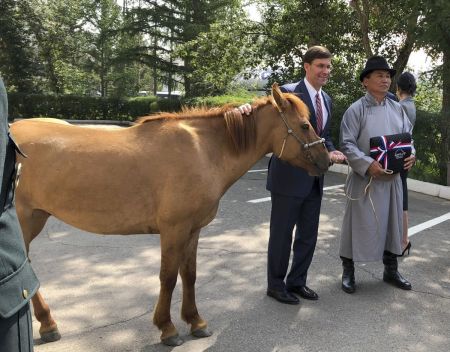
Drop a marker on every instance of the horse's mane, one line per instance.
(241, 128)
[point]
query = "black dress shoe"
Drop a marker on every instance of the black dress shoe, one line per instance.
(283, 296)
(304, 292)
(396, 279)
(348, 284)
(348, 280)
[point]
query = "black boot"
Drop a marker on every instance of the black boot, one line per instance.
(391, 273)
(348, 275)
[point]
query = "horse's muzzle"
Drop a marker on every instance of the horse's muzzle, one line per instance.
(320, 168)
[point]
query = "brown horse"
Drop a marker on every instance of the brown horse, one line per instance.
(164, 175)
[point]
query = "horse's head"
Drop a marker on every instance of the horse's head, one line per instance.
(298, 143)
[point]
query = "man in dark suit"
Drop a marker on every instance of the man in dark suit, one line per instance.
(297, 196)
(18, 283)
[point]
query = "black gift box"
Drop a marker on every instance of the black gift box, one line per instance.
(390, 151)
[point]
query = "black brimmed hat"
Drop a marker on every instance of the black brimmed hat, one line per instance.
(376, 63)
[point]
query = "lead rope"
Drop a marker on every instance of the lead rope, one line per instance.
(366, 191)
(282, 147)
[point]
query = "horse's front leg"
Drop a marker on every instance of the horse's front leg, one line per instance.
(49, 330)
(32, 222)
(172, 243)
(188, 272)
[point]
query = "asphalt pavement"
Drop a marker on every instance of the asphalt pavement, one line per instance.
(102, 289)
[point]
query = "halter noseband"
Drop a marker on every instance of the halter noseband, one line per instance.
(290, 132)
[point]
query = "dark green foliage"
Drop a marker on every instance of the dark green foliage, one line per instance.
(435, 38)
(18, 61)
(73, 107)
(220, 100)
(140, 106)
(339, 108)
(427, 141)
(291, 26)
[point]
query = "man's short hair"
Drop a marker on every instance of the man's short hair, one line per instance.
(316, 52)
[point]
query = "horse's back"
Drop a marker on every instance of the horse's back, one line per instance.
(109, 181)
(48, 119)
(86, 177)
(40, 129)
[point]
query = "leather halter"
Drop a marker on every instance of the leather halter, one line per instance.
(290, 132)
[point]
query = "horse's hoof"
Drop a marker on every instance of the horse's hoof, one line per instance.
(172, 341)
(201, 333)
(51, 336)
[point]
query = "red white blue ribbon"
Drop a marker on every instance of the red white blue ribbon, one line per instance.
(385, 147)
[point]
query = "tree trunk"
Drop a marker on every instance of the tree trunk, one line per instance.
(363, 11)
(407, 48)
(102, 73)
(154, 68)
(444, 156)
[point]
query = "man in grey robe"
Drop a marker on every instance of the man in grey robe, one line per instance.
(372, 225)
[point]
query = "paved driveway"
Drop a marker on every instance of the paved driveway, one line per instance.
(102, 289)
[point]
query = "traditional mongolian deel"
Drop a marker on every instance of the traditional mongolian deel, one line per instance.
(391, 150)
(363, 238)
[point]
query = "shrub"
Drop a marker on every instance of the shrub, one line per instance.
(72, 107)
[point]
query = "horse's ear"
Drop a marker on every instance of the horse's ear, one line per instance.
(277, 95)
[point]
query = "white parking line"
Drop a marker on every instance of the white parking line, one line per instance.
(425, 225)
(267, 199)
(259, 200)
(262, 170)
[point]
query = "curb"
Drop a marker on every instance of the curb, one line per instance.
(427, 188)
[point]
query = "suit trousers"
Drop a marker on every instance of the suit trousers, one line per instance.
(16, 332)
(287, 212)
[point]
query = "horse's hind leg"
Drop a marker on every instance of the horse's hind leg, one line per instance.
(188, 272)
(172, 243)
(32, 222)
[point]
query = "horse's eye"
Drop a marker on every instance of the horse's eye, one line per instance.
(305, 126)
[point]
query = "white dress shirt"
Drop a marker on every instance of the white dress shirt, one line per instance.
(312, 93)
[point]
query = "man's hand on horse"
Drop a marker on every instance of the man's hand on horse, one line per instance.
(245, 109)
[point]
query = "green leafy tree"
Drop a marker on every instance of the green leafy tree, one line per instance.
(18, 59)
(388, 28)
(104, 18)
(435, 38)
(429, 91)
(159, 24)
(167, 25)
(219, 55)
(57, 27)
(290, 27)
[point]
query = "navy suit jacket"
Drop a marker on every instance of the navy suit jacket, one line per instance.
(285, 179)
